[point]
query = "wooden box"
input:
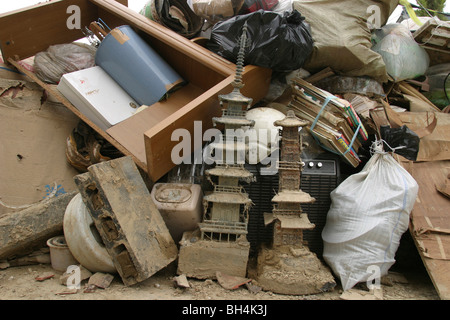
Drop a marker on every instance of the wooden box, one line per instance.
(146, 136)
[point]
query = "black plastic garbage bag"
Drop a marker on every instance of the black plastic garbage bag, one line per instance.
(281, 42)
(402, 141)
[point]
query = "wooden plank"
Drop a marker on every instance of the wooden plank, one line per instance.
(130, 132)
(431, 212)
(27, 32)
(325, 73)
(112, 20)
(166, 39)
(434, 37)
(158, 143)
(434, 34)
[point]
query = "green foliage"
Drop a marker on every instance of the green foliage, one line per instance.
(433, 7)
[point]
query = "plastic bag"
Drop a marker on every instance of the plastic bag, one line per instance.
(402, 141)
(255, 5)
(283, 6)
(342, 37)
(403, 56)
(59, 59)
(214, 10)
(281, 42)
(368, 215)
(177, 15)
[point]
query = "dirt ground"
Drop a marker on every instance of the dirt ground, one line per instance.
(408, 280)
(18, 283)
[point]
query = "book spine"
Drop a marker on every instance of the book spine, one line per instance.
(344, 142)
(362, 130)
(356, 121)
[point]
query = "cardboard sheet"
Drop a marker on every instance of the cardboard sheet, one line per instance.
(434, 130)
(430, 221)
(32, 145)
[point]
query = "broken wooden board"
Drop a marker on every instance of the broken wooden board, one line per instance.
(430, 222)
(434, 37)
(324, 73)
(23, 231)
(131, 226)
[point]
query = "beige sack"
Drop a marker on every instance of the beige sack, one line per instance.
(342, 37)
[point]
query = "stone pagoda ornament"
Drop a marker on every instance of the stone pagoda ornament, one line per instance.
(289, 220)
(288, 266)
(220, 244)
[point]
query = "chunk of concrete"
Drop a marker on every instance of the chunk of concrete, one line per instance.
(101, 280)
(129, 223)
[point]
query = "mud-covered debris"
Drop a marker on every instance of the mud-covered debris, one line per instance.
(101, 280)
(45, 276)
(230, 282)
(181, 281)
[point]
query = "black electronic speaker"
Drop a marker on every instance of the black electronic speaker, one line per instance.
(320, 176)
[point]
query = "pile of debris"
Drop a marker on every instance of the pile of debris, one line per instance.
(326, 95)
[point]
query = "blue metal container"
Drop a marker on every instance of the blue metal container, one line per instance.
(135, 66)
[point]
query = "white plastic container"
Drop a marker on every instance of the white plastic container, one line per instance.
(180, 206)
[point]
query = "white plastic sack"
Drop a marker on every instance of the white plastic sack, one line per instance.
(368, 215)
(59, 59)
(403, 56)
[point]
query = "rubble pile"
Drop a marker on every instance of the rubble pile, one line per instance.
(116, 124)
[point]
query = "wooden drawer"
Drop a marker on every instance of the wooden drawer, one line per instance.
(146, 136)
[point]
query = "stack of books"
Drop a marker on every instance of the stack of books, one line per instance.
(333, 122)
